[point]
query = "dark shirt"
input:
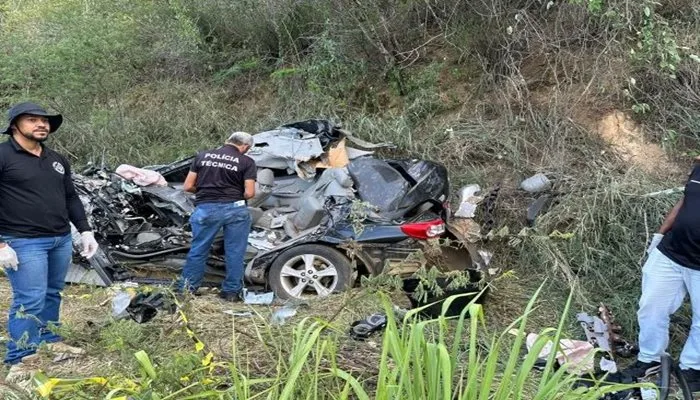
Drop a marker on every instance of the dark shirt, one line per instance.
(682, 242)
(221, 174)
(37, 196)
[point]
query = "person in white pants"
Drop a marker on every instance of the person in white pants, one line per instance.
(671, 272)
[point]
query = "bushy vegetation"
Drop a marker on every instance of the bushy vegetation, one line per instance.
(496, 90)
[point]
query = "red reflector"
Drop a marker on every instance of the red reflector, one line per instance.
(424, 230)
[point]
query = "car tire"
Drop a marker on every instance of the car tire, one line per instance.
(331, 271)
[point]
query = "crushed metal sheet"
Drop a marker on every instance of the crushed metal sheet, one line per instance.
(172, 197)
(276, 144)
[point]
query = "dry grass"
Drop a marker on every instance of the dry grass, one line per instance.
(86, 315)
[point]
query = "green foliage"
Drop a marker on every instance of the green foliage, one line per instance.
(83, 51)
(656, 42)
(593, 6)
(444, 358)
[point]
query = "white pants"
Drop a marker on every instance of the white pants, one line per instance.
(664, 286)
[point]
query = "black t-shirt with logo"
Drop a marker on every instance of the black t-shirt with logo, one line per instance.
(37, 195)
(221, 174)
(682, 242)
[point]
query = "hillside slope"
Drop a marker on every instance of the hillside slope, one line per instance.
(603, 96)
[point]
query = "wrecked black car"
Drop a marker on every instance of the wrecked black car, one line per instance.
(323, 213)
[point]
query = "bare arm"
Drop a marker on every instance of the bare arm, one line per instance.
(670, 218)
(249, 189)
(189, 185)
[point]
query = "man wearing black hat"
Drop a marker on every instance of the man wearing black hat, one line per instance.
(37, 204)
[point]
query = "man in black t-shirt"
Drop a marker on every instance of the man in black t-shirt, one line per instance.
(671, 271)
(222, 180)
(38, 203)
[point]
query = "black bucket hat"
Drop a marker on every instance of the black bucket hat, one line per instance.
(55, 120)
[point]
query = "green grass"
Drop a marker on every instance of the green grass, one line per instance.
(443, 358)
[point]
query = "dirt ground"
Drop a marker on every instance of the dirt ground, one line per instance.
(626, 138)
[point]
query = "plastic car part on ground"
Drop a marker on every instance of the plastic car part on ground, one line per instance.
(250, 297)
(140, 306)
(366, 327)
(537, 207)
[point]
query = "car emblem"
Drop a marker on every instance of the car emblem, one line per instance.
(58, 167)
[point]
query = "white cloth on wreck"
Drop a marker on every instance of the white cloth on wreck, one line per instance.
(140, 176)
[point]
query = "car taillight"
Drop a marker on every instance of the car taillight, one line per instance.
(424, 230)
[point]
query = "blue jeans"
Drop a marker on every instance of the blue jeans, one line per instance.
(207, 220)
(664, 287)
(36, 292)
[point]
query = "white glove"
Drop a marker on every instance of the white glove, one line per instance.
(8, 257)
(655, 240)
(89, 243)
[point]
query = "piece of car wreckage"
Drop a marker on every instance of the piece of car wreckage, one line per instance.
(323, 213)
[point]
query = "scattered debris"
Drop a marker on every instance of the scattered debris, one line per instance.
(144, 306)
(490, 202)
(577, 356)
(468, 201)
(250, 297)
(364, 328)
(281, 315)
(141, 307)
(536, 183)
(537, 207)
(608, 365)
(604, 378)
(238, 313)
(120, 302)
(602, 332)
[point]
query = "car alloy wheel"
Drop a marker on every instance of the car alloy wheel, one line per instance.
(310, 270)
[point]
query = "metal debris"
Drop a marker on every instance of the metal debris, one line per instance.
(602, 332)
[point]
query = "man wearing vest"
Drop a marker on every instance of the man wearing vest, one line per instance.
(37, 204)
(222, 180)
